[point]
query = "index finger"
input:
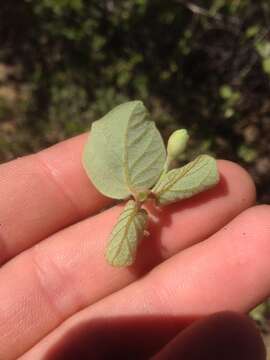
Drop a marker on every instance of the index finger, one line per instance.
(42, 193)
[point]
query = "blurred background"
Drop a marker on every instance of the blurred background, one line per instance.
(203, 65)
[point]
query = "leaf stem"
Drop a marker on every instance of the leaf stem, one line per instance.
(166, 168)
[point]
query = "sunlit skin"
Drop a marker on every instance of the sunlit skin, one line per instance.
(59, 298)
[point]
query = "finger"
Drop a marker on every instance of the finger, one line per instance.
(229, 271)
(221, 336)
(43, 193)
(68, 271)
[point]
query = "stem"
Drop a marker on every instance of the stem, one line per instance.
(166, 167)
(138, 204)
(141, 197)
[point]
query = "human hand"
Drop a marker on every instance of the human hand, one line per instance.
(59, 298)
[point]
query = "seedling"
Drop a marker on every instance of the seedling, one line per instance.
(125, 158)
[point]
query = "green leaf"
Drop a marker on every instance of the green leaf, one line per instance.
(225, 91)
(266, 65)
(126, 235)
(198, 175)
(125, 153)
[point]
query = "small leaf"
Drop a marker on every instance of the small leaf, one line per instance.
(126, 235)
(198, 175)
(125, 153)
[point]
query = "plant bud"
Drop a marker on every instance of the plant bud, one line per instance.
(177, 143)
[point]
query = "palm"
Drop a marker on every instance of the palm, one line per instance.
(206, 254)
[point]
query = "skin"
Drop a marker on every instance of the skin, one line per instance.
(59, 299)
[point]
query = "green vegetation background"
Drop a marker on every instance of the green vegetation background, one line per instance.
(204, 65)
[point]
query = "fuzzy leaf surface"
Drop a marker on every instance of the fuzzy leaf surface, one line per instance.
(126, 235)
(193, 178)
(124, 153)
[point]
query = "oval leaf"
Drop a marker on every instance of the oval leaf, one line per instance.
(198, 175)
(125, 153)
(126, 235)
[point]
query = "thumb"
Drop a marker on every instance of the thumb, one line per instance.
(224, 335)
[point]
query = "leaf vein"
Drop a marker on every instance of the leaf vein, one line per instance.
(132, 215)
(171, 182)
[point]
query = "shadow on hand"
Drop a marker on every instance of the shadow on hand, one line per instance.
(117, 338)
(221, 336)
(225, 335)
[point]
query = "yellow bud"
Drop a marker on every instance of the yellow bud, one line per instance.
(177, 143)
